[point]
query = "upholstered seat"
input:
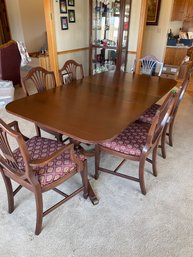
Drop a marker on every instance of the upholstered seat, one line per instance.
(148, 115)
(38, 148)
(131, 141)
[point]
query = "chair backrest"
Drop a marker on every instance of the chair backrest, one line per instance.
(7, 159)
(10, 61)
(70, 71)
(160, 119)
(150, 64)
(41, 79)
(181, 92)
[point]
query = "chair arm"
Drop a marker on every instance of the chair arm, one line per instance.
(43, 161)
(14, 124)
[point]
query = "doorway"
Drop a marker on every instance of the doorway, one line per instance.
(5, 35)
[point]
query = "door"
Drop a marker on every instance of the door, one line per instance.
(5, 35)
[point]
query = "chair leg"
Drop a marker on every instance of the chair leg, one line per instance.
(39, 210)
(97, 161)
(9, 190)
(141, 175)
(163, 142)
(171, 132)
(154, 160)
(59, 138)
(38, 132)
(84, 175)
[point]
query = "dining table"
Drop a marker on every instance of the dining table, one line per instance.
(94, 109)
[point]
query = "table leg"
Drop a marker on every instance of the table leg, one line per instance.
(92, 195)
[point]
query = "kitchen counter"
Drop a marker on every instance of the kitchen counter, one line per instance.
(179, 46)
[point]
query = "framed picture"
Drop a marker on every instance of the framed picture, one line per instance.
(71, 2)
(64, 23)
(71, 15)
(153, 12)
(63, 6)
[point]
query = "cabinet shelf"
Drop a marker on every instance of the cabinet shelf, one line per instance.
(116, 17)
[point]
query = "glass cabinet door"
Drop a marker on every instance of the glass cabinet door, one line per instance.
(108, 34)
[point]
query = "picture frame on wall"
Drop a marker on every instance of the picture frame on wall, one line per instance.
(71, 16)
(64, 23)
(71, 2)
(153, 12)
(63, 6)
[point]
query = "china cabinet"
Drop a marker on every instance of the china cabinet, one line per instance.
(109, 28)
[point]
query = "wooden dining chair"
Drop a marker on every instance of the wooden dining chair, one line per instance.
(70, 71)
(39, 165)
(39, 78)
(135, 143)
(42, 80)
(148, 115)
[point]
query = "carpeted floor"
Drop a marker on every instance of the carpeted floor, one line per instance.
(124, 223)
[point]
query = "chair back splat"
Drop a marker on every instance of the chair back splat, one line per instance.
(70, 71)
(40, 78)
(38, 164)
(149, 65)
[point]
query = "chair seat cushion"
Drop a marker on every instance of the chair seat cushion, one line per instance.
(38, 148)
(131, 141)
(148, 115)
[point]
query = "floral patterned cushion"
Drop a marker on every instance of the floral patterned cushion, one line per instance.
(131, 141)
(148, 115)
(39, 147)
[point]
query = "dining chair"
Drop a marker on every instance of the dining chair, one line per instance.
(39, 165)
(135, 143)
(148, 115)
(70, 71)
(42, 80)
(150, 65)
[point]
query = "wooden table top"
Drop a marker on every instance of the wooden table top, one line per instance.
(96, 108)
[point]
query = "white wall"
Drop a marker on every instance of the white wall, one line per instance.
(133, 32)
(155, 37)
(27, 23)
(14, 17)
(77, 35)
(33, 22)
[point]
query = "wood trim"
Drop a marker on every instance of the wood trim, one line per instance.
(51, 35)
(142, 24)
(131, 52)
(73, 50)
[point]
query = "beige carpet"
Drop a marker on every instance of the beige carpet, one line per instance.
(124, 223)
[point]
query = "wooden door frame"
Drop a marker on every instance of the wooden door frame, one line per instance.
(142, 24)
(51, 35)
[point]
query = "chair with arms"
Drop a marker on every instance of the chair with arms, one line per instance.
(149, 65)
(135, 143)
(10, 61)
(70, 71)
(39, 165)
(148, 115)
(42, 80)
